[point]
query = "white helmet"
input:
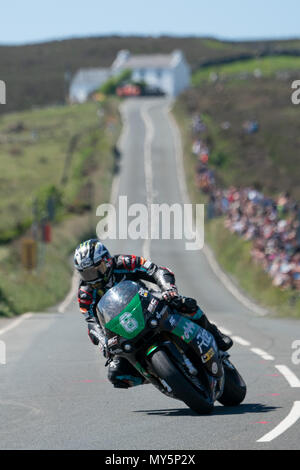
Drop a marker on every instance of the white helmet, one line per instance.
(93, 262)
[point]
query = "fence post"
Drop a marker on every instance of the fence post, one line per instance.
(29, 253)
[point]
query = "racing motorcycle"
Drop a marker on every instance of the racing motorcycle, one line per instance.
(173, 353)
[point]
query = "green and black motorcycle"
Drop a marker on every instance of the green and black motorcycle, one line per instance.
(177, 356)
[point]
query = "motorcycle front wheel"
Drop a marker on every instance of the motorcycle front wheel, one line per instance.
(184, 390)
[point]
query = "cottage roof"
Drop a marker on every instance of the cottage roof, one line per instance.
(125, 59)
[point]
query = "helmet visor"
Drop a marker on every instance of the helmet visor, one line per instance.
(94, 273)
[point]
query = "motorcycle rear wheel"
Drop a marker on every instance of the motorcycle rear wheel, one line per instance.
(234, 387)
(181, 387)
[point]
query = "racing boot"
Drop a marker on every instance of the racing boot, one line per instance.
(224, 342)
(190, 309)
(123, 375)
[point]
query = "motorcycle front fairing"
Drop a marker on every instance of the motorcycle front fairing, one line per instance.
(124, 312)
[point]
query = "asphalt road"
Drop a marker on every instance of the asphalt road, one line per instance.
(54, 393)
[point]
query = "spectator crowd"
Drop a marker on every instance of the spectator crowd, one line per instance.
(272, 225)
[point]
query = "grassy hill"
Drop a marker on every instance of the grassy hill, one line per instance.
(66, 151)
(56, 147)
(269, 157)
(35, 74)
(283, 66)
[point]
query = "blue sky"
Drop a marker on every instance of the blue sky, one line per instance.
(25, 21)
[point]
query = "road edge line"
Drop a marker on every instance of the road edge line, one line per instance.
(16, 322)
(216, 268)
(285, 424)
(289, 376)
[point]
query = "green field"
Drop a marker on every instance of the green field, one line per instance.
(66, 148)
(263, 67)
(54, 146)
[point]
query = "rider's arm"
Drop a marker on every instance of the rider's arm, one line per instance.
(136, 267)
(87, 299)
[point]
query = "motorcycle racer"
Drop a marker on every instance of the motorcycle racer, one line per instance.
(99, 271)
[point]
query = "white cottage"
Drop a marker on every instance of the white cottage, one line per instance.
(168, 72)
(85, 82)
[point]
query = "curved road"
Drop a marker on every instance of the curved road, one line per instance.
(54, 393)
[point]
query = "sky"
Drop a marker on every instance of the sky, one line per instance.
(27, 21)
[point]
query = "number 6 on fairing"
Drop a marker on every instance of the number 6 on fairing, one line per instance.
(128, 322)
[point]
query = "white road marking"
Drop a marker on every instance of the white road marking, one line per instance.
(190, 226)
(148, 171)
(16, 323)
(239, 340)
(113, 200)
(289, 376)
(74, 286)
(229, 285)
(236, 339)
(285, 424)
(263, 354)
(225, 331)
(178, 155)
(206, 250)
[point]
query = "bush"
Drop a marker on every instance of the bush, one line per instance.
(43, 197)
(110, 86)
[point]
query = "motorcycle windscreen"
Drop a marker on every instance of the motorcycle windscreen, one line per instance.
(121, 311)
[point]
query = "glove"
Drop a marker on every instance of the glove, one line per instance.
(170, 294)
(103, 347)
(106, 346)
(186, 304)
(95, 333)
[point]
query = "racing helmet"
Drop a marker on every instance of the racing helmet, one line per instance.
(93, 262)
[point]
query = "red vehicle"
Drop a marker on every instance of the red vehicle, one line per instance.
(128, 90)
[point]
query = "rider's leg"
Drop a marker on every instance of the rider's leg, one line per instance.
(224, 342)
(198, 316)
(122, 374)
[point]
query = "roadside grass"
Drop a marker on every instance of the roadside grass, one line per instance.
(87, 184)
(232, 252)
(234, 255)
(269, 157)
(22, 291)
(33, 153)
(264, 66)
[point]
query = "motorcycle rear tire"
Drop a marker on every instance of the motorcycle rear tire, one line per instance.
(234, 388)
